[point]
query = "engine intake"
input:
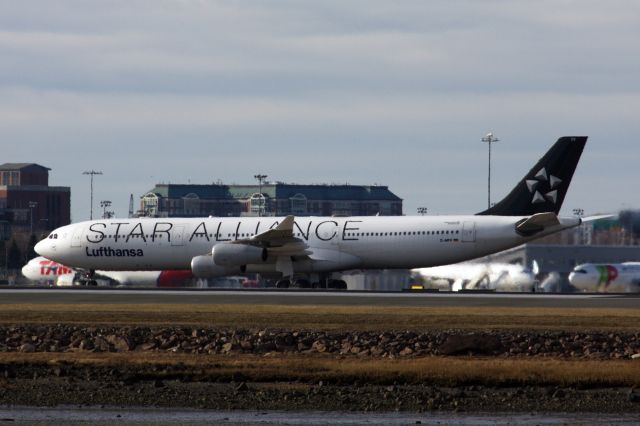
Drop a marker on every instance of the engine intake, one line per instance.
(238, 254)
(204, 267)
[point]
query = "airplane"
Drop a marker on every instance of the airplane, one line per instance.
(480, 276)
(47, 271)
(299, 249)
(615, 278)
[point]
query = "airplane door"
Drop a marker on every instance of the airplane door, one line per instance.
(76, 237)
(177, 235)
(468, 232)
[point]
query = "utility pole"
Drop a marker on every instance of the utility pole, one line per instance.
(92, 173)
(489, 139)
(261, 179)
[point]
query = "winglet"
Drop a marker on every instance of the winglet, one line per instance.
(286, 224)
(278, 235)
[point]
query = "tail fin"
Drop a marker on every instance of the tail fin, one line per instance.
(544, 187)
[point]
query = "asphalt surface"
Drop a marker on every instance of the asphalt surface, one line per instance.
(13, 295)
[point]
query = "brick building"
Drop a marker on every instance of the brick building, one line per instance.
(28, 202)
(271, 199)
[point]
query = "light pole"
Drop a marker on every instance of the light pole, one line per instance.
(104, 204)
(489, 139)
(261, 179)
(32, 205)
(579, 229)
(422, 211)
(92, 173)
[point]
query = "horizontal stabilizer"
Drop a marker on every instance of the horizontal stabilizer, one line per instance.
(536, 223)
(598, 217)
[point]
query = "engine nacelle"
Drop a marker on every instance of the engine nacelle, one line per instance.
(238, 254)
(205, 267)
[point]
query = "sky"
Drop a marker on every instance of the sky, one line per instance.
(397, 93)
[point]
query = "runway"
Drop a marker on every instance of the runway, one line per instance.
(297, 297)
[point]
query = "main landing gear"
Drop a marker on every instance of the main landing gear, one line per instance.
(323, 283)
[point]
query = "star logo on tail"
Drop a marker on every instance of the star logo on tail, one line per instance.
(540, 180)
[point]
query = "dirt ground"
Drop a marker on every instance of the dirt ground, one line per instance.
(309, 380)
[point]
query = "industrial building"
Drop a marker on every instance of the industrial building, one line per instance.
(269, 199)
(27, 203)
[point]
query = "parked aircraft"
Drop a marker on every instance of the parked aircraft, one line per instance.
(314, 247)
(615, 278)
(49, 272)
(481, 276)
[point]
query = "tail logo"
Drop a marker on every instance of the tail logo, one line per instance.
(535, 187)
(608, 273)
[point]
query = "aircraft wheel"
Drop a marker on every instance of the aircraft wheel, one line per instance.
(92, 283)
(301, 283)
(282, 284)
(337, 284)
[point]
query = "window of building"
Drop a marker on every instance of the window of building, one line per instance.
(298, 204)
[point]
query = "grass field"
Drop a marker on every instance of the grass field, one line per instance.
(329, 318)
(310, 368)
(313, 368)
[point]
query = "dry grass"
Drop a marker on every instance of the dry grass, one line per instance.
(433, 370)
(335, 318)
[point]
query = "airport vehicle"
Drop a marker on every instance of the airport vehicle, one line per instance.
(300, 249)
(615, 277)
(480, 276)
(47, 271)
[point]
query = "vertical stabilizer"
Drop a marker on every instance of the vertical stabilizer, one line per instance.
(543, 189)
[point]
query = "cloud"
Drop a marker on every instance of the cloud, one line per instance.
(363, 91)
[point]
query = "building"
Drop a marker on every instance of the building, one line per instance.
(28, 203)
(269, 199)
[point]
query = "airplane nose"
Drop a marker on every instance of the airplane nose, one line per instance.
(43, 248)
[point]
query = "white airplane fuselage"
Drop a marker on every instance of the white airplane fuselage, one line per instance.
(613, 278)
(331, 243)
(496, 276)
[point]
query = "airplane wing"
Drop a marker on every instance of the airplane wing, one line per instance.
(276, 238)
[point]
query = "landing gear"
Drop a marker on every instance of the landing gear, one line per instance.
(337, 284)
(301, 283)
(283, 283)
(88, 279)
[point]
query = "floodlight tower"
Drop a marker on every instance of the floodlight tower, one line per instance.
(92, 173)
(261, 179)
(489, 139)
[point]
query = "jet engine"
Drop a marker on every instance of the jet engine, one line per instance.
(205, 267)
(238, 254)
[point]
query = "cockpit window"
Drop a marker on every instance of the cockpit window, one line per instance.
(580, 271)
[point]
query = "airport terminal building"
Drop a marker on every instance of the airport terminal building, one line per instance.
(269, 199)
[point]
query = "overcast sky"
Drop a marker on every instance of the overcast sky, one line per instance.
(391, 92)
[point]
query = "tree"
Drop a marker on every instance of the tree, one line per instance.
(31, 253)
(14, 257)
(3, 253)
